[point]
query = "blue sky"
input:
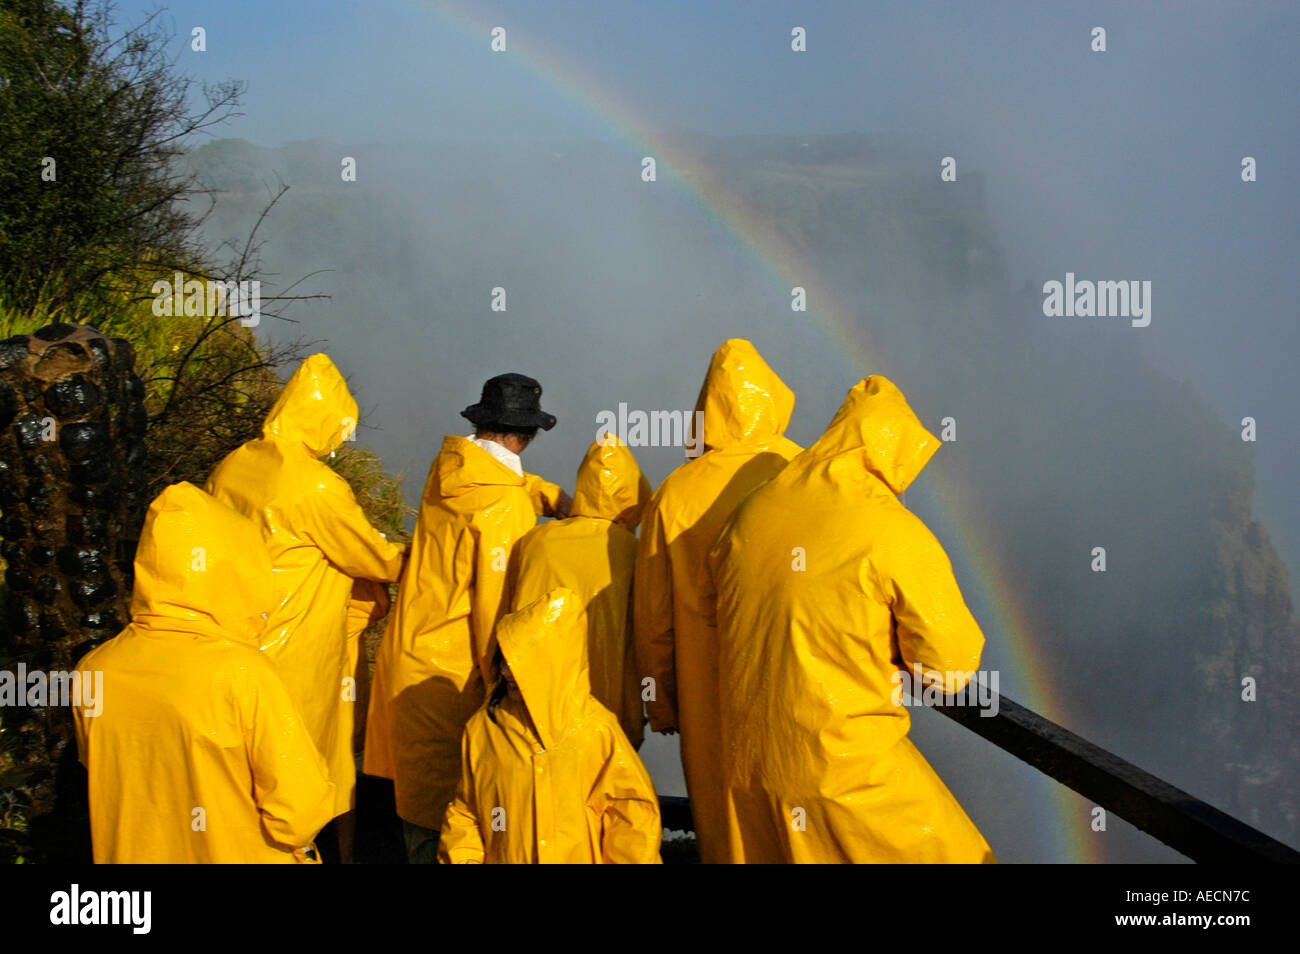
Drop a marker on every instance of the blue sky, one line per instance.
(353, 70)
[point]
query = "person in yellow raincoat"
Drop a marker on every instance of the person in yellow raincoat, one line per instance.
(548, 776)
(593, 553)
(194, 750)
(746, 410)
(432, 665)
(319, 540)
(827, 586)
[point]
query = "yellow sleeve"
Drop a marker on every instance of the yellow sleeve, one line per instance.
(652, 618)
(368, 603)
(633, 714)
(86, 668)
(331, 518)
(630, 826)
(494, 546)
(460, 842)
(935, 627)
(544, 494)
(291, 784)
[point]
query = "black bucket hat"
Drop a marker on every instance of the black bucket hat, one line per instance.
(514, 400)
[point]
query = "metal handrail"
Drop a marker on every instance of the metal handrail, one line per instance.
(1183, 822)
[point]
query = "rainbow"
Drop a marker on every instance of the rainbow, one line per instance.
(786, 265)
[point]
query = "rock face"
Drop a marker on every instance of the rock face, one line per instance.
(72, 494)
(1248, 667)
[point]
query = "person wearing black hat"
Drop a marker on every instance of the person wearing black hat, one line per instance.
(507, 418)
(437, 652)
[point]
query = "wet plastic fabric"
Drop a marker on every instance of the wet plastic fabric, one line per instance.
(319, 540)
(593, 553)
(550, 778)
(746, 410)
(369, 603)
(198, 754)
(826, 586)
(430, 670)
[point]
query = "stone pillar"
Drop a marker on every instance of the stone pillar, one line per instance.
(72, 494)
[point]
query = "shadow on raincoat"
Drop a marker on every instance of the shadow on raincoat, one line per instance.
(548, 776)
(593, 553)
(198, 754)
(826, 586)
(746, 410)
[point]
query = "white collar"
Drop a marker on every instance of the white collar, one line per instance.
(500, 452)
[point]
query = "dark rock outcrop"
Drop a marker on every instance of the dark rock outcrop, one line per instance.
(72, 426)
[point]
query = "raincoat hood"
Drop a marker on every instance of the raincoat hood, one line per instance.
(876, 428)
(315, 409)
(463, 466)
(610, 485)
(742, 398)
(200, 567)
(545, 645)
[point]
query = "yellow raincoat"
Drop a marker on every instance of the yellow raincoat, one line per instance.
(319, 540)
(368, 604)
(549, 777)
(593, 553)
(826, 586)
(197, 753)
(430, 671)
(746, 410)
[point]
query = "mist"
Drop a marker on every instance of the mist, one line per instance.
(522, 170)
